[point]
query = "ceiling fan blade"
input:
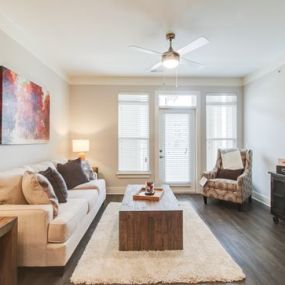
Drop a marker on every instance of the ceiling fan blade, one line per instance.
(193, 46)
(145, 50)
(156, 67)
(186, 60)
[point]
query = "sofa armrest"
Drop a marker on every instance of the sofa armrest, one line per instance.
(33, 221)
(98, 184)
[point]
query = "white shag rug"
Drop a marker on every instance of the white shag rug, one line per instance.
(203, 259)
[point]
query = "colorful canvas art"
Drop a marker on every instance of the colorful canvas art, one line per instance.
(25, 110)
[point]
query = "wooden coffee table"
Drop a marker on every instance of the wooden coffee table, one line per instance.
(8, 250)
(147, 225)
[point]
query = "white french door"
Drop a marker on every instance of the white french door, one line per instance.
(177, 136)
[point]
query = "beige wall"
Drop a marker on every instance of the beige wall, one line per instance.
(93, 115)
(264, 118)
(15, 57)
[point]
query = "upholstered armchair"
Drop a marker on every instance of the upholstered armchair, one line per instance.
(236, 191)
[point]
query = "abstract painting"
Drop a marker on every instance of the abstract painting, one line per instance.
(24, 110)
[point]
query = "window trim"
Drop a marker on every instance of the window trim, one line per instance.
(134, 174)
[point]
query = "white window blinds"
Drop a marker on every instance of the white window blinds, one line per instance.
(133, 132)
(221, 113)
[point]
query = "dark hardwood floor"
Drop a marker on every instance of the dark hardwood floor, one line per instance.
(250, 236)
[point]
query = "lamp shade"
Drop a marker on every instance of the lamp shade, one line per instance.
(80, 145)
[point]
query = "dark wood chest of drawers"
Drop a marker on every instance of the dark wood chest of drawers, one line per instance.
(277, 196)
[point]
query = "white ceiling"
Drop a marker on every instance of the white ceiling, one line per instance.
(91, 38)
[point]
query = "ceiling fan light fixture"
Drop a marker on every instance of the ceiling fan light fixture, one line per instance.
(170, 59)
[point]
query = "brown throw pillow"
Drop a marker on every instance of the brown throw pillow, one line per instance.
(229, 173)
(57, 182)
(37, 190)
(73, 173)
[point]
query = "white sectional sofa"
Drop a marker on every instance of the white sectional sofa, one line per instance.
(42, 239)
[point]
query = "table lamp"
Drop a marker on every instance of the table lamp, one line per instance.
(81, 147)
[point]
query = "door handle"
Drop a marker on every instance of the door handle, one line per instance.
(161, 156)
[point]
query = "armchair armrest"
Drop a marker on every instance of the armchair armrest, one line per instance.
(243, 176)
(244, 184)
(33, 221)
(210, 174)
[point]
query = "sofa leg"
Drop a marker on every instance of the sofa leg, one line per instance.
(250, 199)
(59, 271)
(205, 200)
(240, 206)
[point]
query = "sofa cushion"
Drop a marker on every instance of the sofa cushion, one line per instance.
(72, 173)
(11, 187)
(57, 182)
(70, 215)
(222, 184)
(91, 196)
(38, 191)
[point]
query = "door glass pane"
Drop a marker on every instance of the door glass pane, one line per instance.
(177, 148)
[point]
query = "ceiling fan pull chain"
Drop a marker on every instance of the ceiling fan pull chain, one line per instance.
(176, 78)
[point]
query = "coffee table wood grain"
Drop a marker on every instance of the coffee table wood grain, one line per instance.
(150, 225)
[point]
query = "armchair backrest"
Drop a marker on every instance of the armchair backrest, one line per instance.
(246, 156)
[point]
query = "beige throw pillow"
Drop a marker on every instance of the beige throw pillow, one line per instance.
(37, 190)
(232, 160)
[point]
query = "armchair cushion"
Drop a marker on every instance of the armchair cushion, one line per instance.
(232, 160)
(223, 184)
(229, 173)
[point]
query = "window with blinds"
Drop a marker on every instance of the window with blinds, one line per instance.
(221, 124)
(133, 132)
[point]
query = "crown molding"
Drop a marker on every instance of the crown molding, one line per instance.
(155, 81)
(15, 32)
(262, 72)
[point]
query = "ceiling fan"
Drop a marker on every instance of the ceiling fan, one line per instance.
(171, 58)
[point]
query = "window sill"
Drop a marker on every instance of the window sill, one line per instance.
(180, 184)
(133, 175)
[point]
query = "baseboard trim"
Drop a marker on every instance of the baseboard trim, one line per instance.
(261, 198)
